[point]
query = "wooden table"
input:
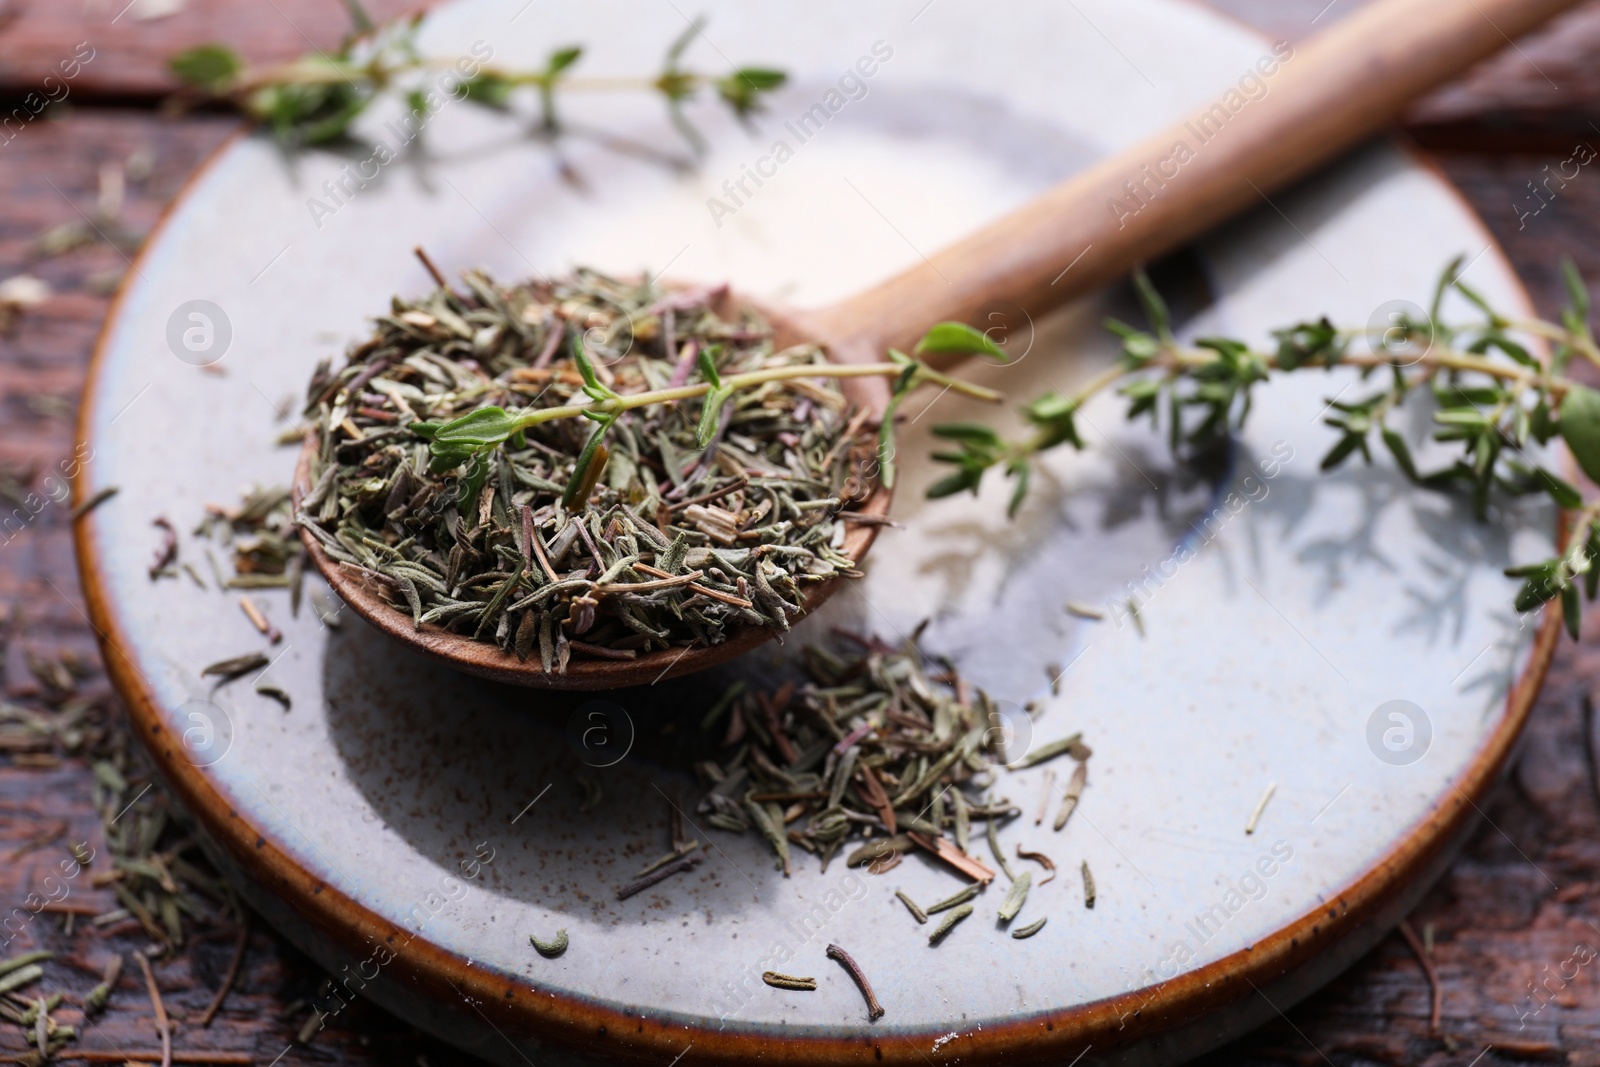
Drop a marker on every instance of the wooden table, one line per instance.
(1514, 907)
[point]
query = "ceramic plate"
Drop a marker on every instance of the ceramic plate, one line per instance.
(411, 827)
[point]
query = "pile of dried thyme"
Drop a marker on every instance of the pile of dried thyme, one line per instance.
(587, 466)
(873, 745)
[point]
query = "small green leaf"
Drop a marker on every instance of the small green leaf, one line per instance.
(1533, 593)
(708, 370)
(1446, 279)
(711, 415)
(682, 41)
(970, 433)
(1020, 470)
(963, 479)
(308, 114)
(1571, 609)
(1591, 577)
(1509, 347)
(742, 89)
(762, 78)
(1341, 451)
(483, 428)
(1496, 320)
(1305, 343)
(490, 90)
(360, 21)
(1562, 492)
(902, 388)
(1155, 308)
(206, 66)
(1580, 427)
(580, 470)
(561, 59)
(591, 381)
(1577, 291)
(1055, 415)
(959, 339)
(1138, 347)
(1402, 454)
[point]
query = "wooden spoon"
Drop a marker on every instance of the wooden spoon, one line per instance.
(1320, 99)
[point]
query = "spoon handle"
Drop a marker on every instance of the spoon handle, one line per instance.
(1214, 162)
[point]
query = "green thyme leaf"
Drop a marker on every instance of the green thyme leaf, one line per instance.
(1402, 454)
(742, 89)
(561, 59)
(1571, 610)
(1020, 471)
(970, 433)
(490, 90)
(591, 381)
(207, 66)
(1562, 492)
(711, 415)
(1580, 427)
(1307, 343)
(582, 476)
(961, 480)
(959, 339)
(360, 21)
(1155, 308)
(708, 369)
(903, 385)
(484, 428)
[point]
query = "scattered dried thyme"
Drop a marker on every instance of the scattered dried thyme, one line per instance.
(871, 744)
(552, 948)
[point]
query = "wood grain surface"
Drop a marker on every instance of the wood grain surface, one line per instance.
(1524, 894)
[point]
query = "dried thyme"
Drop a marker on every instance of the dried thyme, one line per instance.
(1023, 932)
(1261, 806)
(1016, 897)
(916, 912)
(872, 743)
(1041, 859)
(845, 960)
(677, 866)
(552, 948)
(235, 666)
(1049, 752)
(949, 923)
(956, 899)
(1073, 792)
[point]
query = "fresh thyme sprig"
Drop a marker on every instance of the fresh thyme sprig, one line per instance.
(1492, 396)
(470, 438)
(314, 99)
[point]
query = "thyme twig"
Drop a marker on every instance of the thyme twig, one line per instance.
(315, 98)
(1492, 397)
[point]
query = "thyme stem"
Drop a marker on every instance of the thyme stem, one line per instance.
(616, 406)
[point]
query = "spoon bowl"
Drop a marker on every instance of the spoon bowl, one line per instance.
(365, 595)
(1139, 203)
